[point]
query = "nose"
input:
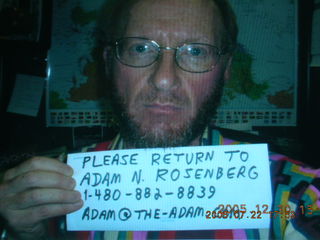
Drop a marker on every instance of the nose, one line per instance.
(164, 76)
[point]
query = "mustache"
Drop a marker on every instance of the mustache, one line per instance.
(162, 97)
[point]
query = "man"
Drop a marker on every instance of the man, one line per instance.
(168, 60)
(168, 96)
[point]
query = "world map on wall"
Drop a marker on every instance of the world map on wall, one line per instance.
(263, 85)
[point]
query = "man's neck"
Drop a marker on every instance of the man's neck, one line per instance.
(195, 142)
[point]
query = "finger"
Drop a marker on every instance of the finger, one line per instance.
(41, 196)
(40, 179)
(39, 163)
(54, 210)
(34, 215)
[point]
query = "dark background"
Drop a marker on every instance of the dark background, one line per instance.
(22, 134)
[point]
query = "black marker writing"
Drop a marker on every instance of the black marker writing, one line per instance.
(108, 160)
(188, 158)
(136, 177)
(148, 214)
(95, 179)
(244, 156)
(95, 214)
(184, 212)
(163, 174)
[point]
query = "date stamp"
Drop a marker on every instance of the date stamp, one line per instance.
(239, 211)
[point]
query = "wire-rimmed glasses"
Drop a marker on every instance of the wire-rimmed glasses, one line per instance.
(191, 57)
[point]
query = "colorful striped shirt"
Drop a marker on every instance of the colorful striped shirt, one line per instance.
(293, 184)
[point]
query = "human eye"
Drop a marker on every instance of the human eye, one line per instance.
(140, 49)
(197, 51)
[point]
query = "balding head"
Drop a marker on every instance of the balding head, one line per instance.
(115, 14)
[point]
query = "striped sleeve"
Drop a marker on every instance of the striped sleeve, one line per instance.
(296, 187)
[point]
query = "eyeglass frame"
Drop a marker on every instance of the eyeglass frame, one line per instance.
(219, 53)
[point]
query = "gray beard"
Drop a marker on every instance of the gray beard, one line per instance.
(134, 137)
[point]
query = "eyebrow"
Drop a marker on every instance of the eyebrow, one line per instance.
(197, 40)
(200, 39)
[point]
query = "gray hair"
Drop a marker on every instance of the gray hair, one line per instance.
(114, 17)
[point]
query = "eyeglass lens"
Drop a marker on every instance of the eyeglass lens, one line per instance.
(193, 57)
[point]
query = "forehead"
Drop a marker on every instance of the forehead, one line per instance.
(181, 20)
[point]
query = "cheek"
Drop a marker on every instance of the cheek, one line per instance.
(127, 83)
(201, 89)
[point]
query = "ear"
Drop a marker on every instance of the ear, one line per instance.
(227, 72)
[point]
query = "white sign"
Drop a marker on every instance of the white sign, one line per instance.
(186, 188)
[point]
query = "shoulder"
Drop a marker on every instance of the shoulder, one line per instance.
(296, 189)
(296, 193)
(116, 143)
(103, 146)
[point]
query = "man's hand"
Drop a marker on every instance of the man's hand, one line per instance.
(34, 191)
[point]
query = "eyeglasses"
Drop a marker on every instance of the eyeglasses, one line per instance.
(191, 57)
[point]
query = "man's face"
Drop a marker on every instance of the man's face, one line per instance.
(162, 103)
